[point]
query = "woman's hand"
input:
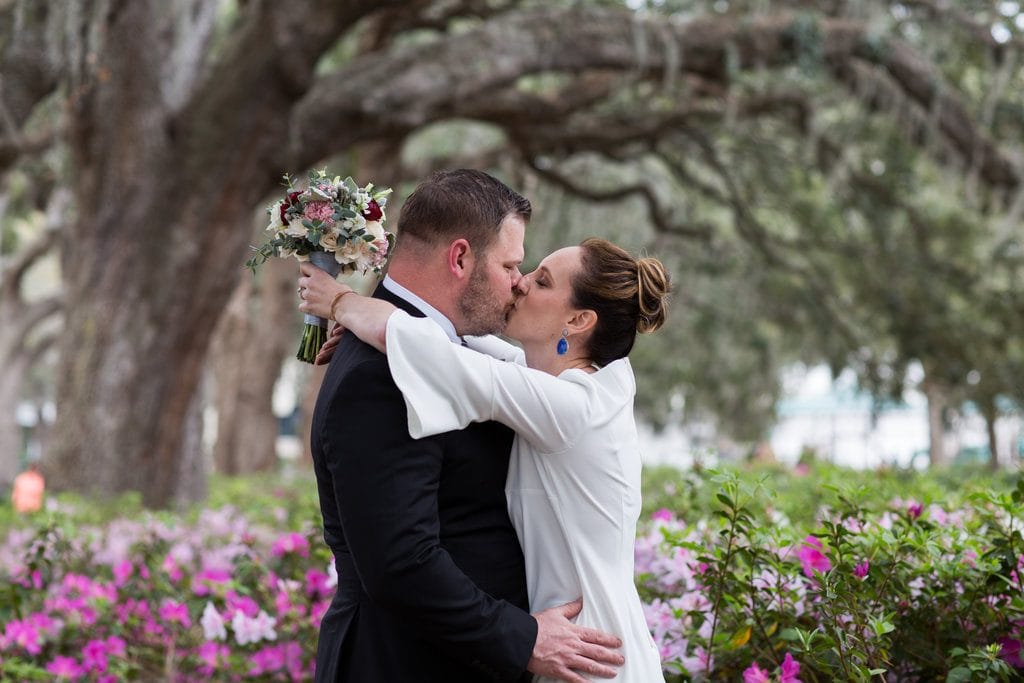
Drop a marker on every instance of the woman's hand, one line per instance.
(365, 316)
(318, 290)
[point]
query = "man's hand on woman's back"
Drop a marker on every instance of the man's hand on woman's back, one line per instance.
(564, 650)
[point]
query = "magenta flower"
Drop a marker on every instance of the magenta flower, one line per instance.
(94, 656)
(663, 514)
(861, 570)
(122, 571)
(290, 543)
(812, 557)
(212, 655)
(23, 634)
(1011, 652)
(208, 580)
(914, 510)
(175, 612)
(317, 583)
(755, 674)
(789, 670)
(65, 667)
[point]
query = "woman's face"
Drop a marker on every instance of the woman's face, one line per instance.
(544, 301)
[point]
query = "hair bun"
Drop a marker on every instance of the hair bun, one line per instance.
(653, 287)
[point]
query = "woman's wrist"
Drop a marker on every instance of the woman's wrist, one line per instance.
(337, 300)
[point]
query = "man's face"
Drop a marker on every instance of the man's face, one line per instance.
(487, 300)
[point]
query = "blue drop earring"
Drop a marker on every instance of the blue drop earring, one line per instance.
(563, 343)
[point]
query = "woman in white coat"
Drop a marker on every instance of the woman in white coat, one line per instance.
(574, 477)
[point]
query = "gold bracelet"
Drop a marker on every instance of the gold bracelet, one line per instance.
(336, 299)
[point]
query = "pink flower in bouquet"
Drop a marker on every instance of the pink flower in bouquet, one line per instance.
(755, 674)
(319, 211)
(861, 570)
(65, 668)
(812, 557)
(290, 543)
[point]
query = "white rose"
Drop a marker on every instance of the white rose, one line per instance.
(329, 241)
(295, 229)
(348, 253)
(375, 229)
(275, 216)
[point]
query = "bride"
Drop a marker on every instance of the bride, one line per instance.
(573, 484)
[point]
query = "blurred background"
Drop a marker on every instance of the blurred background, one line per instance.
(837, 187)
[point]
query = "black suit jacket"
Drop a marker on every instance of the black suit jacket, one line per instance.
(431, 585)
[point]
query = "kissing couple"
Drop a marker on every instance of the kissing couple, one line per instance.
(481, 499)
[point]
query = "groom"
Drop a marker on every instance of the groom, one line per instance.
(431, 585)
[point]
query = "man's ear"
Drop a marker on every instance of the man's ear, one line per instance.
(460, 258)
(581, 322)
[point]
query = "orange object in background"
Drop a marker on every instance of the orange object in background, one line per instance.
(27, 494)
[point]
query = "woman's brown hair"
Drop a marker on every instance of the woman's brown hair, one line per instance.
(629, 295)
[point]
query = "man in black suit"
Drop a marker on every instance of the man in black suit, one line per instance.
(431, 585)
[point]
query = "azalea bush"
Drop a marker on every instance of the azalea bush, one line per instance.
(866, 588)
(753, 575)
(212, 595)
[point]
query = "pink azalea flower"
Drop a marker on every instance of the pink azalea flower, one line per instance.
(122, 571)
(317, 583)
(212, 655)
(65, 667)
(663, 514)
(1011, 652)
(175, 612)
(755, 674)
(861, 570)
(115, 646)
(94, 656)
(23, 634)
(206, 581)
(812, 557)
(290, 543)
(789, 670)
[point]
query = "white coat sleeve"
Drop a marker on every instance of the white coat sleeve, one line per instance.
(446, 386)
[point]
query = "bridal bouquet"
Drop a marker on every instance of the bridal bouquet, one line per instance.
(336, 225)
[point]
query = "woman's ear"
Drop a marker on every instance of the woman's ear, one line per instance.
(459, 258)
(581, 322)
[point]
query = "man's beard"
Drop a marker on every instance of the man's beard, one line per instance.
(479, 312)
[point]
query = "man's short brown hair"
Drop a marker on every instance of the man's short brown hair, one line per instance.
(461, 203)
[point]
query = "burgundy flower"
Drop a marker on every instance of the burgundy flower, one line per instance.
(293, 197)
(373, 211)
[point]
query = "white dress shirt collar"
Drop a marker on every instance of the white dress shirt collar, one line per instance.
(431, 312)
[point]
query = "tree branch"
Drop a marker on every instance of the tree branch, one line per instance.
(659, 215)
(446, 78)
